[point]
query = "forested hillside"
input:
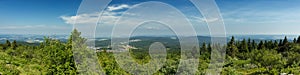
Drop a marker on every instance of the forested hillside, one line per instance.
(242, 57)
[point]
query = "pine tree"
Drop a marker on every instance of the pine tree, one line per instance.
(280, 43)
(209, 48)
(250, 47)
(14, 45)
(295, 40)
(285, 45)
(285, 41)
(86, 56)
(254, 45)
(8, 44)
(298, 41)
(232, 48)
(244, 46)
(261, 45)
(275, 44)
(266, 45)
(232, 41)
(203, 48)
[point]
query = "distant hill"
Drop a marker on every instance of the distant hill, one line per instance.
(169, 41)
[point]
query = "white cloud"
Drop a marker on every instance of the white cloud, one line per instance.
(197, 19)
(118, 7)
(202, 19)
(80, 19)
(108, 17)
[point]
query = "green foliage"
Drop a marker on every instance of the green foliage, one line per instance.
(270, 57)
(53, 57)
(232, 50)
(204, 50)
(244, 46)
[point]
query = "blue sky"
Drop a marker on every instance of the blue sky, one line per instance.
(240, 16)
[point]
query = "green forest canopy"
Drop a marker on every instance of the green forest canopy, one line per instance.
(242, 57)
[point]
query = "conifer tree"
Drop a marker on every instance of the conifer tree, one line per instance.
(203, 48)
(8, 44)
(254, 45)
(266, 44)
(244, 46)
(86, 56)
(275, 44)
(261, 45)
(298, 40)
(280, 43)
(285, 45)
(209, 48)
(231, 42)
(14, 45)
(269, 44)
(249, 44)
(231, 48)
(285, 41)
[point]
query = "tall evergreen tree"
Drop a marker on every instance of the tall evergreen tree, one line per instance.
(254, 45)
(295, 40)
(261, 45)
(298, 40)
(231, 42)
(250, 47)
(86, 56)
(244, 46)
(8, 44)
(285, 45)
(14, 45)
(232, 49)
(275, 44)
(203, 48)
(280, 43)
(269, 44)
(266, 45)
(285, 41)
(209, 48)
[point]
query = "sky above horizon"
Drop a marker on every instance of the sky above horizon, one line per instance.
(240, 16)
